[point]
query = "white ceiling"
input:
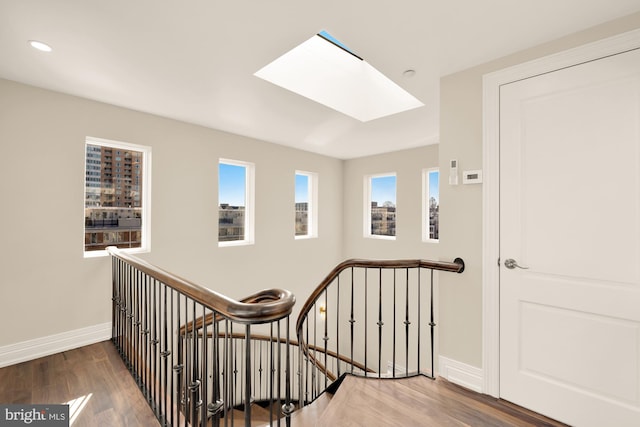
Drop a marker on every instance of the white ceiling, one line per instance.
(194, 60)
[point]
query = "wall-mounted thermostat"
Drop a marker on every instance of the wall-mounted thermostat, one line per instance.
(472, 177)
(453, 172)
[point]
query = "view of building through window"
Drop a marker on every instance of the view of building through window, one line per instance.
(433, 204)
(113, 196)
(302, 200)
(232, 187)
(383, 205)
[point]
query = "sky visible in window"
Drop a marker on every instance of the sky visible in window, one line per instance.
(302, 188)
(383, 189)
(324, 34)
(231, 184)
(434, 185)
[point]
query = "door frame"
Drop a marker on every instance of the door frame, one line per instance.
(491, 187)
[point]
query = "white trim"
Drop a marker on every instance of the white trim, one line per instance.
(145, 228)
(426, 195)
(52, 344)
(367, 205)
(312, 207)
(460, 373)
(491, 188)
(249, 201)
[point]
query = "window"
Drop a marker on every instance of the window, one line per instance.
(430, 205)
(380, 206)
(235, 203)
(306, 204)
(116, 210)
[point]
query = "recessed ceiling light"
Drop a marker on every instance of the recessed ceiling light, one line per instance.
(326, 71)
(40, 46)
(409, 73)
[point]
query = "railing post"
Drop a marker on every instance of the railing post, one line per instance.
(247, 377)
(288, 408)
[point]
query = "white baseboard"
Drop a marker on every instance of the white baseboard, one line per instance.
(39, 347)
(460, 373)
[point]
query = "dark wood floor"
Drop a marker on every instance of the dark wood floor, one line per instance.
(420, 401)
(96, 374)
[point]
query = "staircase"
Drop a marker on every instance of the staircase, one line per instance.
(364, 340)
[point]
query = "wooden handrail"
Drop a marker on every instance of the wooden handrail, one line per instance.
(262, 307)
(455, 267)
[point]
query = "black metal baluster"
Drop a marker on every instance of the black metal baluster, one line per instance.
(123, 315)
(325, 338)
(114, 299)
(195, 376)
(380, 323)
(186, 365)
(289, 407)
(407, 323)
(205, 369)
(216, 406)
(419, 320)
(352, 320)
(233, 372)
(278, 372)
(366, 323)
(393, 368)
(166, 352)
(178, 363)
(316, 384)
(432, 326)
(155, 342)
(338, 324)
(137, 322)
(307, 361)
(174, 342)
(147, 330)
(301, 377)
(259, 374)
(271, 371)
(129, 318)
(247, 376)
(226, 374)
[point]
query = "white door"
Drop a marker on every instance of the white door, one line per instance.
(570, 214)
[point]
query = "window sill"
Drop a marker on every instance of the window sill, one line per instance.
(375, 236)
(235, 243)
(305, 237)
(104, 253)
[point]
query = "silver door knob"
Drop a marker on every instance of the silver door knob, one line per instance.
(512, 263)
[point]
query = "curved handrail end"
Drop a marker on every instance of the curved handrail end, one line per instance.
(461, 262)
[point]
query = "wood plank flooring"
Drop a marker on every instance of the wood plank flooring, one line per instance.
(420, 401)
(94, 375)
(97, 374)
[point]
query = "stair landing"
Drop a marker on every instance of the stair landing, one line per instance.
(415, 401)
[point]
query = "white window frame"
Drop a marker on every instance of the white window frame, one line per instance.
(312, 191)
(249, 209)
(426, 195)
(367, 206)
(145, 227)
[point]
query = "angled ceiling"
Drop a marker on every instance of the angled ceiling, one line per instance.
(195, 61)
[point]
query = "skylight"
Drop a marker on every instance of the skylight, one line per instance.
(324, 70)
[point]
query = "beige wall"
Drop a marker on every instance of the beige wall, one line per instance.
(461, 206)
(47, 287)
